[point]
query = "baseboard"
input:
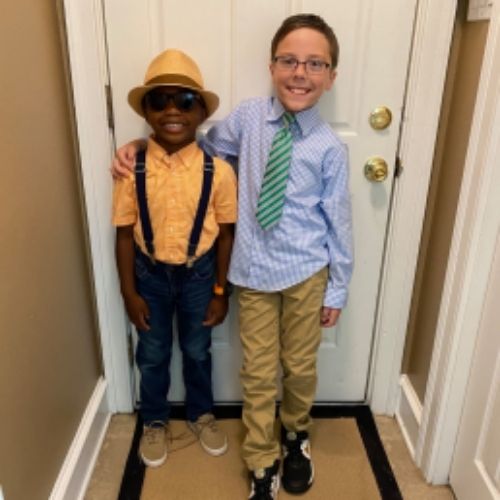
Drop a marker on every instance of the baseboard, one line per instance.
(79, 462)
(408, 413)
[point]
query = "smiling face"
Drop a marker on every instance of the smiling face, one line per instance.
(297, 89)
(173, 128)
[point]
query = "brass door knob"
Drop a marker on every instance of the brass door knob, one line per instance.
(376, 169)
(380, 118)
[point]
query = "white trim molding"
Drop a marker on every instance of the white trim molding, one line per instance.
(429, 59)
(87, 58)
(77, 468)
(473, 243)
(408, 413)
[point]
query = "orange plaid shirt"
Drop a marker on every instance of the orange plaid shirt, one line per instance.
(173, 184)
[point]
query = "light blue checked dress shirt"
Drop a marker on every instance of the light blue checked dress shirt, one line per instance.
(315, 228)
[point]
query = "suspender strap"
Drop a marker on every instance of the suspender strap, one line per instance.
(142, 202)
(208, 174)
(147, 231)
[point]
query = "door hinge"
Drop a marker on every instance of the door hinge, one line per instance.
(398, 170)
(109, 106)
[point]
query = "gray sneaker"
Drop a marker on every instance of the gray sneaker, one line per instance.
(153, 446)
(212, 439)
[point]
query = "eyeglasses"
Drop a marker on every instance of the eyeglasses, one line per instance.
(183, 101)
(289, 63)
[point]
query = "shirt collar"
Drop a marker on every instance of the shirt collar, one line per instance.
(306, 119)
(184, 156)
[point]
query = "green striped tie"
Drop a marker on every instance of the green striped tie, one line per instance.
(272, 192)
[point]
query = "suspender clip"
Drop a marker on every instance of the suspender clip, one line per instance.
(140, 167)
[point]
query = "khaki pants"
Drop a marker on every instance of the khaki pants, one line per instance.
(278, 327)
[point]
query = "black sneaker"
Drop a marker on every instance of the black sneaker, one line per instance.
(298, 470)
(265, 483)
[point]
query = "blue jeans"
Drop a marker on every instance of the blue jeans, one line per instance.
(168, 290)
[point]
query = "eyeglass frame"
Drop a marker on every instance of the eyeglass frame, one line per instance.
(281, 59)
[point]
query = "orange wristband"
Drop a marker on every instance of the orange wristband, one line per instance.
(219, 290)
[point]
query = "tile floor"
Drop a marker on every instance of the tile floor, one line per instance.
(105, 480)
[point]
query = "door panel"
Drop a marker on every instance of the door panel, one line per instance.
(475, 471)
(231, 41)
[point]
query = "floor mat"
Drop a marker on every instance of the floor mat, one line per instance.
(349, 459)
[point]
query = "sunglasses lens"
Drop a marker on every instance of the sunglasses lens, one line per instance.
(157, 101)
(184, 101)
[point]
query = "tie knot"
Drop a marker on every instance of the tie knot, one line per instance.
(288, 119)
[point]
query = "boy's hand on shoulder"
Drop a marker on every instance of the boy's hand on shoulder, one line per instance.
(124, 161)
(216, 311)
(138, 311)
(329, 316)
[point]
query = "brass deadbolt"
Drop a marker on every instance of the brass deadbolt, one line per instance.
(380, 118)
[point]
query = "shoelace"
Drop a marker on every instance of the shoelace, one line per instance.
(296, 450)
(263, 487)
(179, 438)
(209, 423)
(154, 432)
(152, 436)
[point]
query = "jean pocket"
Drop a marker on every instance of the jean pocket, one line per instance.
(204, 268)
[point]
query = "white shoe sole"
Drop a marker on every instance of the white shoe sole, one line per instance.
(153, 463)
(215, 452)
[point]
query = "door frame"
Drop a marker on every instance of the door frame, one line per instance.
(88, 69)
(477, 225)
(433, 29)
(86, 52)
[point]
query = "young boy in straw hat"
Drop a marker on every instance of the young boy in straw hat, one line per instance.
(175, 221)
(292, 257)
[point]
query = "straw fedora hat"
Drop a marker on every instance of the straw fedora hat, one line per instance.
(172, 68)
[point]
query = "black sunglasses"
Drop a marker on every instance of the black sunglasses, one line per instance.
(183, 100)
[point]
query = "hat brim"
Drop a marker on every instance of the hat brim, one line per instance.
(136, 95)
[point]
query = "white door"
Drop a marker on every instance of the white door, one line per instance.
(231, 42)
(475, 471)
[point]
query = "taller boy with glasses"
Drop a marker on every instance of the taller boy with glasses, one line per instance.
(292, 258)
(175, 221)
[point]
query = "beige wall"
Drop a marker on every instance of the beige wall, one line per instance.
(49, 361)
(458, 106)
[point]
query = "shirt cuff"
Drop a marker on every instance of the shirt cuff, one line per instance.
(336, 298)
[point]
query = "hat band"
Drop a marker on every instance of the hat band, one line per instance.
(173, 79)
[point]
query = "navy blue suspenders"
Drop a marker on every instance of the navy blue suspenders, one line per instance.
(142, 202)
(208, 174)
(147, 231)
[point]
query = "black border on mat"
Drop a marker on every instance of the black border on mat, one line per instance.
(133, 475)
(381, 468)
